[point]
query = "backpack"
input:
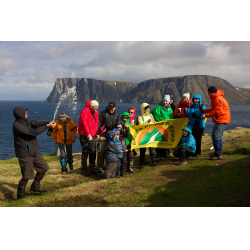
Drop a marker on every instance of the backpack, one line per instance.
(136, 120)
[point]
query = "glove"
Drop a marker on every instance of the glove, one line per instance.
(193, 115)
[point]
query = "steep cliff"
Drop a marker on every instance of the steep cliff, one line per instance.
(90, 89)
(150, 91)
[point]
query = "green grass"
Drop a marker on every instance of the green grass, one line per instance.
(200, 183)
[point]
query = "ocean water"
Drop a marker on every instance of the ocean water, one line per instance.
(43, 111)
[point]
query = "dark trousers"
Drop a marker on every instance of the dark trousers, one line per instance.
(110, 169)
(118, 167)
(28, 164)
(197, 133)
(130, 153)
(152, 153)
(88, 149)
(124, 162)
(161, 152)
(182, 152)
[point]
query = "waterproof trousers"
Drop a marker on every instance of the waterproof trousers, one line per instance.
(152, 153)
(101, 152)
(182, 152)
(197, 133)
(88, 149)
(217, 134)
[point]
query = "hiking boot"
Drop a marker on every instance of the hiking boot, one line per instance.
(100, 171)
(197, 155)
(162, 158)
(71, 166)
(21, 190)
(154, 163)
(92, 169)
(63, 173)
(216, 158)
(182, 163)
(35, 187)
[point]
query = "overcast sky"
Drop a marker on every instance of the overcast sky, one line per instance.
(28, 70)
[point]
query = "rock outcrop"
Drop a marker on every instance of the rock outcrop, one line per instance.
(150, 91)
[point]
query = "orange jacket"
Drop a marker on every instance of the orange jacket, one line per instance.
(63, 132)
(219, 111)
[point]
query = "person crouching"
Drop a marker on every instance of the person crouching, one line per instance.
(187, 146)
(62, 135)
(111, 155)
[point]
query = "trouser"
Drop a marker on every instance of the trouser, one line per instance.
(28, 164)
(161, 152)
(124, 162)
(217, 134)
(88, 149)
(182, 152)
(101, 152)
(110, 170)
(197, 133)
(63, 161)
(118, 167)
(152, 152)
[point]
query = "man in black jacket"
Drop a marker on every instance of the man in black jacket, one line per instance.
(26, 148)
(107, 121)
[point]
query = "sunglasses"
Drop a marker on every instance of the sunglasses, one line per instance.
(131, 112)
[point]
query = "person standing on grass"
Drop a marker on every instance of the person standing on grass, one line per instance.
(146, 118)
(111, 155)
(107, 121)
(221, 116)
(62, 135)
(183, 106)
(87, 128)
(26, 149)
(194, 113)
(163, 112)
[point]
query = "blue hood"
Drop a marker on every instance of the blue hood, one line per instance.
(188, 128)
(110, 135)
(198, 96)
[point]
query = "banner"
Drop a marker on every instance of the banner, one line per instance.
(164, 134)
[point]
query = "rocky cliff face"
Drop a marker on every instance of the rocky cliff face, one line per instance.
(90, 89)
(150, 91)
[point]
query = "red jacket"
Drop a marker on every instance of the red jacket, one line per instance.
(88, 121)
(219, 111)
(183, 106)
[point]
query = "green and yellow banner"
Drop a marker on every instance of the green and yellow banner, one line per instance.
(164, 134)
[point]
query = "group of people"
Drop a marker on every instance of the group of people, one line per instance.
(108, 136)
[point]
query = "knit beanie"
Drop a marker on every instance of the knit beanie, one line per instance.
(116, 131)
(186, 95)
(62, 117)
(166, 98)
(212, 89)
(93, 103)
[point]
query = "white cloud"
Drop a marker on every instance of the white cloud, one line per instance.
(37, 64)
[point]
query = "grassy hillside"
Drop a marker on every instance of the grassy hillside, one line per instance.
(201, 183)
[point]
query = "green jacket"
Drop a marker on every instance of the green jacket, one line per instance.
(160, 113)
(129, 138)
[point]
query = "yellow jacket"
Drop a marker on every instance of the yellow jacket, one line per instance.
(63, 132)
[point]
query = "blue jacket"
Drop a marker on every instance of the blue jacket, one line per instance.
(194, 114)
(111, 150)
(189, 140)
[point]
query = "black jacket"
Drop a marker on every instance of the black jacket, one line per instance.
(107, 119)
(124, 133)
(24, 132)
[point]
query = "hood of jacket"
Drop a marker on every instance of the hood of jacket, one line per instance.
(219, 92)
(143, 106)
(198, 96)
(110, 135)
(87, 103)
(188, 128)
(126, 122)
(133, 116)
(19, 113)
